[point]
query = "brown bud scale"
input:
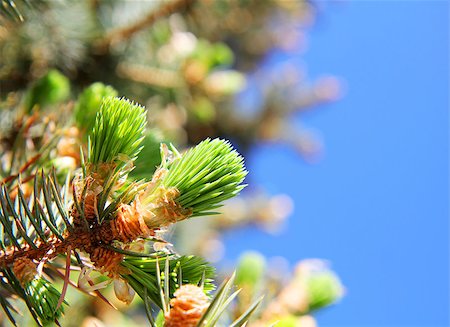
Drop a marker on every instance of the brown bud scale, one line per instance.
(188, 306)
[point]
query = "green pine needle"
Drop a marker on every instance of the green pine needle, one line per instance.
(206, 175)
(118, 132)
(89, 103)
(221, 302)
(194, 270)
(44, 300)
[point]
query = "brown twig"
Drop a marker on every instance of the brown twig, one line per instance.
(127, 32)
(66, 278)
(80, 238)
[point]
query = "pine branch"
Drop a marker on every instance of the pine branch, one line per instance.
(26, 146)
(32, 226)
(109, 214)
(127, 32)
(152, 76)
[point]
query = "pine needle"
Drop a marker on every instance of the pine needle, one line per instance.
(118, 131)
(206, 175)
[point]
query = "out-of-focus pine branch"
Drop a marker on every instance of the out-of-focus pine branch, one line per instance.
(166, 9)
(13, 9)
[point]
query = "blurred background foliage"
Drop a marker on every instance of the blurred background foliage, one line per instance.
(188, 62)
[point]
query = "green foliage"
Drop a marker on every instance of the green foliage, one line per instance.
(39, 295)
(50, 89)
(148, 275)
(324, 288)
(24, 223)
(250, 270)
(89, 102)
(203, 110)
(213, 54)
(221, 301)
(206, 175)
(149, 158)
(225, 83)
(118, 132)
(44, 299)
(288, 321)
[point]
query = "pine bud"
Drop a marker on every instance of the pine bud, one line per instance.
(188, 306)
(24, 269)
(188, 185)
(205, 176)
(322, 285)
(50, 89)
(118, 132)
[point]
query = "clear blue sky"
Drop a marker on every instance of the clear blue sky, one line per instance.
(376, 206)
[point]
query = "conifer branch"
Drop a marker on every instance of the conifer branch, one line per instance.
(124, 33)
(109, 214)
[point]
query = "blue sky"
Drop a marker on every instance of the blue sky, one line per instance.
(376, 205)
